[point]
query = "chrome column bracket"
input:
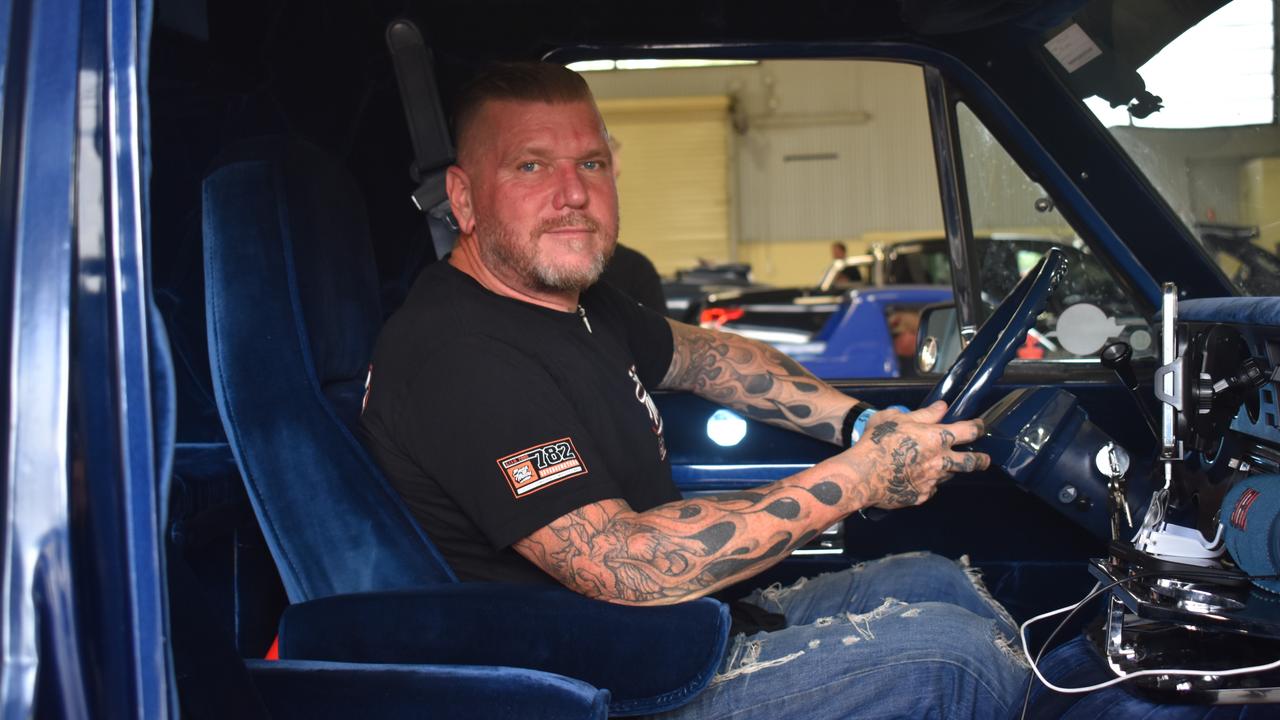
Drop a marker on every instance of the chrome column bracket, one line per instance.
(1168, 379)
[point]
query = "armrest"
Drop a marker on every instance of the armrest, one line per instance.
(650, 658)
(309, 689)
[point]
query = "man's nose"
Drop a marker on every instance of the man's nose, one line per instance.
(570, 191)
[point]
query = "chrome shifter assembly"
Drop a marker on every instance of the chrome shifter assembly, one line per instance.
(1157, 536)
(1170, 594)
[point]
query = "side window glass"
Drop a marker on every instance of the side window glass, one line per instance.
(1015, 223)
(792, 201)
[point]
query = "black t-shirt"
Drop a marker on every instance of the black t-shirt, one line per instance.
(492, 417)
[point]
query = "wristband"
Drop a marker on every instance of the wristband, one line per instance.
(855, 421)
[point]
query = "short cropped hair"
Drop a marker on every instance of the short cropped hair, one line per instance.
(519, 81)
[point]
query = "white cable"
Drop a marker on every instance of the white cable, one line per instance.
(1022, 635)
(1155, 514)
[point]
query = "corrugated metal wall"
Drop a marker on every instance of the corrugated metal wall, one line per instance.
(673, 156)
(844, 153)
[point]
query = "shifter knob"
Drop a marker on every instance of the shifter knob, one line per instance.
(1118, 358)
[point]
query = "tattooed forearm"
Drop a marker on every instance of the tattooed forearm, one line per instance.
(756, 380)
(826, 492)
(685, 549)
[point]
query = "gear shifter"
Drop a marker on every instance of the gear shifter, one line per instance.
(1118, 357)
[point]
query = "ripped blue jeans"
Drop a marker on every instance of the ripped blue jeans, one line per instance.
(909, 636)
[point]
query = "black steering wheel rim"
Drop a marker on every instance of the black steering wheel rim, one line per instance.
(967, 384)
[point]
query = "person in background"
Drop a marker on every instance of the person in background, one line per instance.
(633, 273)
(850, 275)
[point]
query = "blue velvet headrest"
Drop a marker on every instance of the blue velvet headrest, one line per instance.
(321, 209)
(292, 305)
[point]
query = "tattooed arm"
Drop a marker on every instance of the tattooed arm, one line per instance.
(755, 379)
(688, 548)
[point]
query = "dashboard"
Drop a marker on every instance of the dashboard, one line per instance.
(1234, 433)
(1193, 610)
(1192, 577)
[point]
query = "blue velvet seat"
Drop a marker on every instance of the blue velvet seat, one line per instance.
(292, 308)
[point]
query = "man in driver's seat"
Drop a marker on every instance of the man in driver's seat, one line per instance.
(509, 405)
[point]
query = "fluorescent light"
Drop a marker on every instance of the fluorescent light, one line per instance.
(641, 64)
(591, 65)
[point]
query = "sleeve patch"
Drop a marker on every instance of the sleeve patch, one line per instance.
(541, 466)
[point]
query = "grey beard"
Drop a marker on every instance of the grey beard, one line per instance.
(498, 250)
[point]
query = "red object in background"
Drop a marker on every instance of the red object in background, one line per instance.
(274, 652)
(716, 317)
(1031, 350)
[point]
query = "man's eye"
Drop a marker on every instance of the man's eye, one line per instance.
(528, 167)
(592, 165)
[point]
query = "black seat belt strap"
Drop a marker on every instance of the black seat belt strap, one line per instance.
(428, 130)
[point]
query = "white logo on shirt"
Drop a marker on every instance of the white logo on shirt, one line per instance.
(368, 383)
(655, 419)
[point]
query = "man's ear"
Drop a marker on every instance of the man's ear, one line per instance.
(458, 187)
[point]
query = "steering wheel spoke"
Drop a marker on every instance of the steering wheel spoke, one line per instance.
(967, 384)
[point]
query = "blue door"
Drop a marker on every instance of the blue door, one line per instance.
(84, 618)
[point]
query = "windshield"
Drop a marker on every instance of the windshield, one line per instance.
(1190, 96)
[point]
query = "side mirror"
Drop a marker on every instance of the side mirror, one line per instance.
(938, 344)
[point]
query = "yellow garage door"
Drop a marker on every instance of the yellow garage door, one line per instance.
(673, 188)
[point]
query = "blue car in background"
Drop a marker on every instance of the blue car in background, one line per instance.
(865, 332)
(862, 318)
(872, 333)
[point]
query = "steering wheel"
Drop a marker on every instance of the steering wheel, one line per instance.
(969, 381)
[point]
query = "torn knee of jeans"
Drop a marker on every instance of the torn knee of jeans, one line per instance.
(886, 607)
(750, 662)
(1012, 649)
(975, 578)
(746, 653)
(861, 622)
(776, 592)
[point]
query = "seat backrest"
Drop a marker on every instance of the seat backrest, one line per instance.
(291, 297)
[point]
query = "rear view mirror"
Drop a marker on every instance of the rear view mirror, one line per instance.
(938, 344)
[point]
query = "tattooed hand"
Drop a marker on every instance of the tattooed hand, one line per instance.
(906, 455)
